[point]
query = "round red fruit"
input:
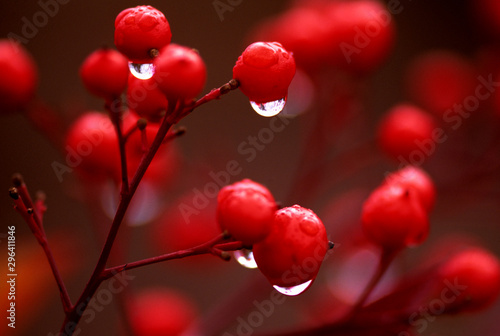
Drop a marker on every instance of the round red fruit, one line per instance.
(92, 146)
(407, 133)
(472, 278)
(180, 72)
(140, 29)
(415, 178)
(105, 73)
(264, 71)
(293, 251)
(160, 312)
(246, 210)
(145, 99)
(18, 76)
(393, 217)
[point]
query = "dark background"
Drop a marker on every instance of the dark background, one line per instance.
(214, 131)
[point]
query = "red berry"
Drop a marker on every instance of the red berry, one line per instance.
(264, 71)
(440, 79)
(362, 34)
(92, 146)
(180, 72)
(293, 251)
(145, 99)
(165, 164)
(407, 133)
(246, 210)
(18, 76)
(393, 217)
(160, 312)
(105, 73)
(471, 280)
(140, 29)
(412, 177)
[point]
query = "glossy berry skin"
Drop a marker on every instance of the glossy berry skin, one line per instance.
(406, 132)
(294, 249)
(474, 275)
(140, 29)
(105, 73)
(180, 72)
(393, 217)
(145, 99)
(246, 210)
(92, 146)
(18, 76)
(160, 312)
(264, 71)
(415, 178)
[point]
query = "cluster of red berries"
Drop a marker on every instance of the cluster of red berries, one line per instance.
(288, 244)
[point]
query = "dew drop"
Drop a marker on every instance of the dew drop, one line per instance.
(294, 290)
(142, 71)
(245, 258)
(269, 109)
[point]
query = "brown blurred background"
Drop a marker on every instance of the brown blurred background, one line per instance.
(214, 132)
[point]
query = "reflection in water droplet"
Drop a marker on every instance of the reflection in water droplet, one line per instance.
(295, 290)
(245, 258)
(269, 109)
(142, 71)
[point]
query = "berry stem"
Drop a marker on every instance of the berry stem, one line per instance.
(115, 116)
(386, 257)
(216, 243)
(233, 84)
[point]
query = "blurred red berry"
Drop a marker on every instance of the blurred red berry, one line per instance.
(415, 178)
(264, 71)
(407, 133)
(393, 217)
(140, 29)
(293, 251)
(246, 210)
(105, 73)
(160, 312)
(180, 72)
(440, 79)
(92, 146)
(18, 76)
(145, 99)
(472, 280)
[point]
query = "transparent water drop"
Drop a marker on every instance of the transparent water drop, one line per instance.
(294, 290)
(245, 258)
(142, 71)
(269, 109)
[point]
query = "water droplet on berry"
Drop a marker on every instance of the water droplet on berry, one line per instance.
(294, 290)
(142, 71)
(269, 109)
(245, 258)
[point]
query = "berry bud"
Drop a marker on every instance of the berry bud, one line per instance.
(140, 29)
(412, 177)
(246, 210)
(264, 71)
(471, 279)
(18, 76)
(294, 249)
(105, 73)
(393, 217)
(180, 72)
(407, 133)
